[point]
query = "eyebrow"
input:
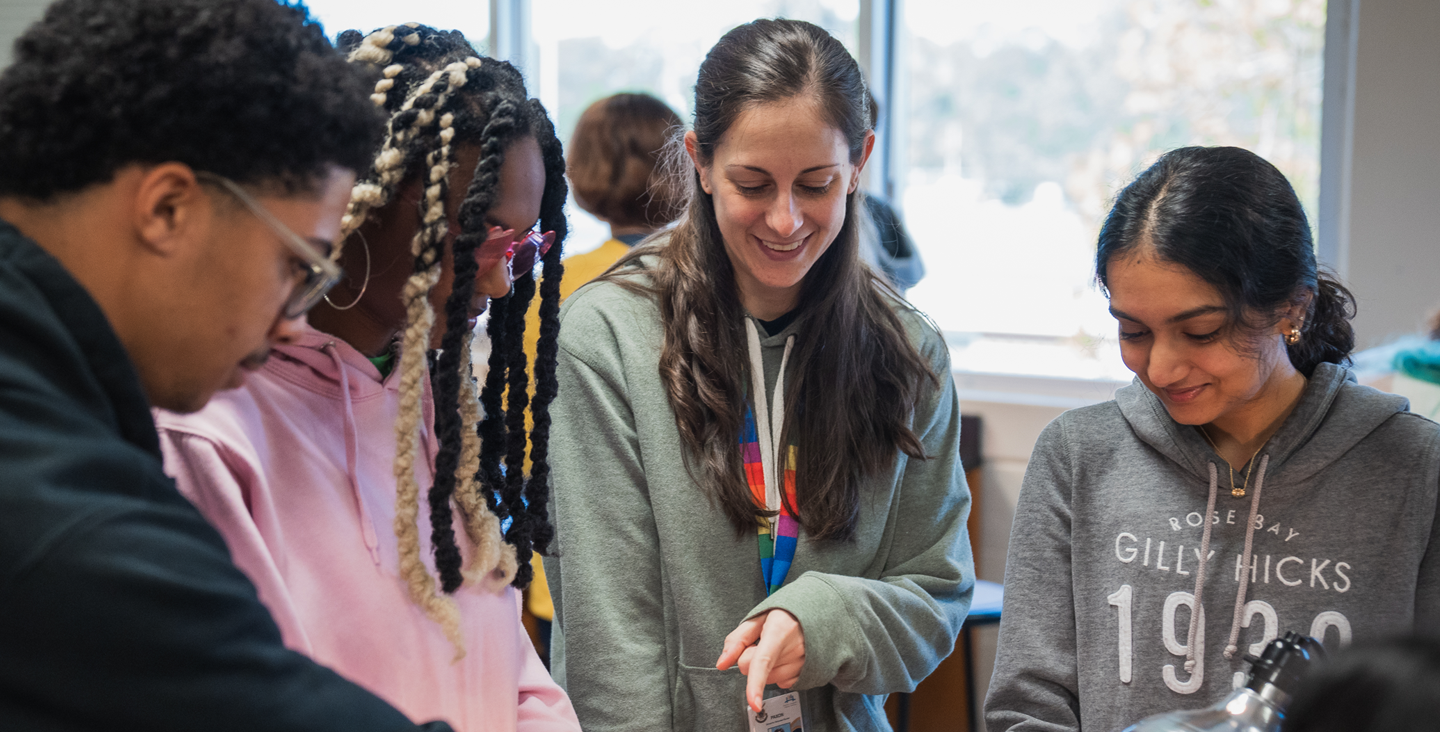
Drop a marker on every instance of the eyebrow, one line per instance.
(1188, 314)
(758, 169)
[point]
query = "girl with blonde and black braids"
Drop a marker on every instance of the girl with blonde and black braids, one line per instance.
(315, 469)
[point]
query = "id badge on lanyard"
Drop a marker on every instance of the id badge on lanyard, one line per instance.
(778, 714)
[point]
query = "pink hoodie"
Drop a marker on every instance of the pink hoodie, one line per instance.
(295, 470)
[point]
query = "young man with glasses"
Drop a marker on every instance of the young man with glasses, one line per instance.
(172, 173)
(316, 272)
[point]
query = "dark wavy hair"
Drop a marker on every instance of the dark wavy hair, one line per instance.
(440, 94)
(248, 89)
(614, 160)
(1232, 219)
(857, 377)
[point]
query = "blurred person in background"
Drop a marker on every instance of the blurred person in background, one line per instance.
(613, 161)
(352, 476)
(884, 242)
(172, 179)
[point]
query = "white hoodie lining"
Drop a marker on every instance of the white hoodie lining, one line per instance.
(768, 432)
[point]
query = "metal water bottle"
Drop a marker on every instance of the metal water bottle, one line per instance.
(1259, 705)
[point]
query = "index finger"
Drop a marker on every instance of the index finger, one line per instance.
(739, 639)
(760, 664)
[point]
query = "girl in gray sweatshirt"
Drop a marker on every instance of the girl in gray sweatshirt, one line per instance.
(1242, 487)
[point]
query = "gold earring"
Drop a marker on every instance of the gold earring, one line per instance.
(1293, 336)
(363, 285)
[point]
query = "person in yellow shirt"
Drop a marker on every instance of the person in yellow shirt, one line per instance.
(613, 165)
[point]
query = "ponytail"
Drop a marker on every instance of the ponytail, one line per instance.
(1327, 335)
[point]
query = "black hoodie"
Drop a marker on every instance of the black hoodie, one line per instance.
(119, 605)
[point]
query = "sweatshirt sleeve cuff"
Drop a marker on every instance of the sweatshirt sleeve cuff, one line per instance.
(830, 632)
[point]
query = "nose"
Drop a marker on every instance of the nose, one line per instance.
(494, 282)
(287, 331)
(784, 216)
(1166, 364)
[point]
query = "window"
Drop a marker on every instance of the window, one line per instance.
(1020, 121)
(1012, 126)
(471, 17)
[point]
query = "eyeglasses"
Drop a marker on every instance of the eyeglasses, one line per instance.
(520, 255)
(321, 274)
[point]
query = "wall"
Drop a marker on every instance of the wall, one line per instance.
(15, 16)
(1387, 212)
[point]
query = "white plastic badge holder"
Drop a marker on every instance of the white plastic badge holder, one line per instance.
(778, 714)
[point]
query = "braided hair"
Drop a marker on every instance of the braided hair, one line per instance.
(435, 89)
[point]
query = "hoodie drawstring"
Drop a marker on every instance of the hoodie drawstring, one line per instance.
(1200, 573)
(1236, 616)
(352, 453)
(1230, 646)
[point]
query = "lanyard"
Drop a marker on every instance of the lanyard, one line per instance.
(765, 473)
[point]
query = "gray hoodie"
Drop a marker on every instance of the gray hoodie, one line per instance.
(1336, 537)
(649, 576)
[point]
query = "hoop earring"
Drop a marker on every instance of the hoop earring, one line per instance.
(363, 285)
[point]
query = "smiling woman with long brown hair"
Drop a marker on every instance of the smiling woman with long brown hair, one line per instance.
(756, 441)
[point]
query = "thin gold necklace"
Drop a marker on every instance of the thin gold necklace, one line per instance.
(1234, 492)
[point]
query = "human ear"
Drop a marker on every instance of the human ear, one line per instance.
(864, 157)
(167, 207)
(692, 148)
(1293, 316)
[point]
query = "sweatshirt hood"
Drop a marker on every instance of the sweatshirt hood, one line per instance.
(315, 361)
(1333, 415)
(324, 364)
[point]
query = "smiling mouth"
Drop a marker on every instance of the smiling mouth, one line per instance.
(1185, 394)
(775, 246)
